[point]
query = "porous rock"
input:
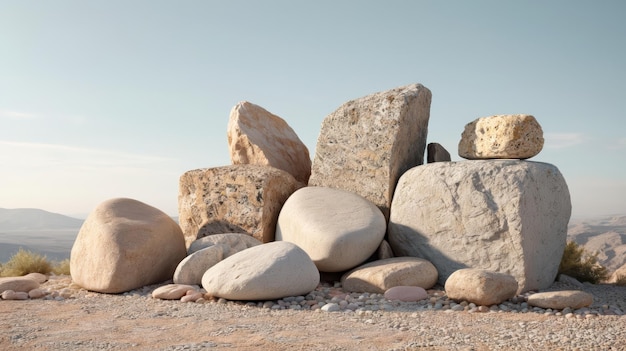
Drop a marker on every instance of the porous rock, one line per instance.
(265, 272)
(125, 244)
(501, 136)
(505, 216)
(379, 276)
(234, 242)
(233, 199)
(190, 270)
(256, 136)
(559, 300)
(484, 288)
(338, 229)
(19, 284)
(366, 144)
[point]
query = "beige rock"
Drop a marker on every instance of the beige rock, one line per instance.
(481, 287)
(619, 273)
(338, 229)
(14, 295)
(501, 136)
(173, 291)
(559, 300)
(234, 241)
(125, 244)
(406, 293)
(265, 272)
(36, 294)
(256, 136)
(379, 276)
(192, 267)
(384, 250)
(233, 199)
(38, 277)
(366, 144)
(18, 284)
(437, 153)
(499, 215)
(192, 296)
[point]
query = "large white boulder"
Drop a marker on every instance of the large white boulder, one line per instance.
(125, 244)
(338, 229)
(256, 136)
(506, 216)
(233, 199)
(366, 144)
(265, 272)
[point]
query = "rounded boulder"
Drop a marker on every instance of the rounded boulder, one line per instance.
(338, 229)
(264, 272)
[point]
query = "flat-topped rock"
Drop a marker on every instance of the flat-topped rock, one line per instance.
(256, 136)
(233, 199)
(501, 136)
(379, 276)
(498, 215)
(561, 299)
(366, 144)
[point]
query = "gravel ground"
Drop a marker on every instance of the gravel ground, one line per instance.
(73, 319)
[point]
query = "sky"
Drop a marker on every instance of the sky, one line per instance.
(104, 99)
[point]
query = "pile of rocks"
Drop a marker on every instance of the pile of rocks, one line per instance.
(364, 199)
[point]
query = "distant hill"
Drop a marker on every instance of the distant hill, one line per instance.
(24, 219)
(604, 235)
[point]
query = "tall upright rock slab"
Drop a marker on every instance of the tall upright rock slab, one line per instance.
(256, 136)
(367, 143)
(233, 199)
(506, 216)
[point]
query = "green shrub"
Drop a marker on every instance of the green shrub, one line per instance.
(24, 262)
(579, 264)
(62, 268)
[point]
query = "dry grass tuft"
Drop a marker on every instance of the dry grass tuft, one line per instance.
(62, 268)
(579, 264)
(24, 262)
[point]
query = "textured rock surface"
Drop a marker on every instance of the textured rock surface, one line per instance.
(507, 216)
(256, 136)
(125, 244)
(191, 268)
(265, 272)
(501, 136)
(381, 275)
(233, 199)
(234, 242)
(18, 284)
(437, 153)
(338, 229)
(367, 143)
(384, 251)
(561, 299)
(481, 287)
(406, 293)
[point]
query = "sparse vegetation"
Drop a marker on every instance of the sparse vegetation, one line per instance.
(24, 262)
(621, 280)
(579, 264)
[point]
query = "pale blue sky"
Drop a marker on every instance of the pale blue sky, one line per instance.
(100, 99)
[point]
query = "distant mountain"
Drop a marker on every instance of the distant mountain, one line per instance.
(31, 219)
